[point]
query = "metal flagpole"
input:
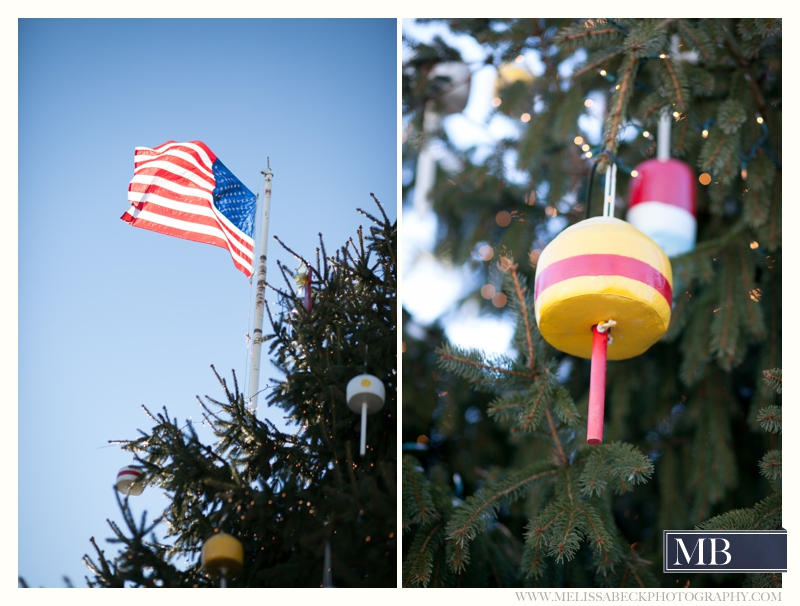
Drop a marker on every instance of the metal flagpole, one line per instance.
(261, 286)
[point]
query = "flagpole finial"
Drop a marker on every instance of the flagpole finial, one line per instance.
(268, 171)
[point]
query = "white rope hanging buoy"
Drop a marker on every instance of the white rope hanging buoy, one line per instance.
(610, 190)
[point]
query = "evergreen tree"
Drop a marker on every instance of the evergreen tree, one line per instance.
(499, 486)
(284, 494)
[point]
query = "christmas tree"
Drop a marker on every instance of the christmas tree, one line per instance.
(295, 498)
(500, 487)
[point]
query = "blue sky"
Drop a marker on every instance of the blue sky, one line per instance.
(111, 317)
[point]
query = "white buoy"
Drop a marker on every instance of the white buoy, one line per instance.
(453, 100)
(365, 395)
(127, 480)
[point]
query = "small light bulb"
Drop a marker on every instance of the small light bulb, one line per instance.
(588, 103)
(585, 147)
(616, 87)
(525, 117)
(676, 115)
(705, 133)
(662, 56)
(603, 72)
(588, 154)
(578, 140)
(646, 134)
(760, 120)
(634, 173)
(496, 102)
(519, 59)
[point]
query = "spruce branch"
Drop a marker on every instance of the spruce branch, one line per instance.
(676, 85)
(595, 63)
(565, 407)
(480, 509)
(745, 64)
(770, 418)
(771, 465)
(764, 515)
(701, 42)
(617, 461)
(632, 568)
(566, 539)
(454, 359)
(599, 539)
(418, 565)
(619, 105)
(774, 379)
(562, 457)
(418, 507)
(524, 312)
(571, 37)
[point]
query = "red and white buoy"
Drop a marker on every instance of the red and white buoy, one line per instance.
(128, 480)
(662, 200)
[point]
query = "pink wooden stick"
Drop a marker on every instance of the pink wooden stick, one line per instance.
(308, 288)
(597, 387)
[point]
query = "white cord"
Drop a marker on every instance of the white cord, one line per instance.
(606, 326)
(610, 191)
(664, 128)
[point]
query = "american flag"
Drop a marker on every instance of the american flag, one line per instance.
(183, 190)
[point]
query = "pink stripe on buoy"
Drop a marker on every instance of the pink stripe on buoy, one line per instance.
(597, 387)
(603, 265)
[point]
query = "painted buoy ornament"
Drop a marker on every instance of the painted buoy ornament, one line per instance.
(597, 279)
(223, 556)
(452, 99)
(365, 395)
(455, 94)
(128, 480)
(662, 200)
(663, 204)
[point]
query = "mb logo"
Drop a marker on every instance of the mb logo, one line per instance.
(728, 551)
(689, 557)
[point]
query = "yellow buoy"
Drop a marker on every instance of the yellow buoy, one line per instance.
(222, 555)
(598, 270)
(603, 291)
